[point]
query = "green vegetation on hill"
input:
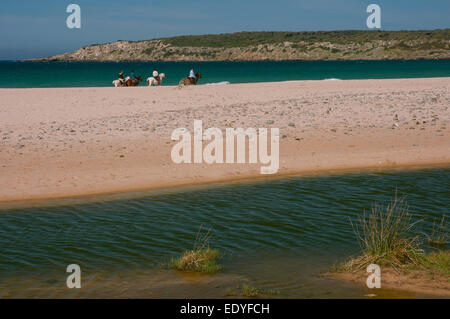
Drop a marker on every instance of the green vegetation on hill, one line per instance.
(257, 46)
(245, 39)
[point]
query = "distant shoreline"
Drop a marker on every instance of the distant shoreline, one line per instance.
(273, 46)
(213, 61)
(209, 61)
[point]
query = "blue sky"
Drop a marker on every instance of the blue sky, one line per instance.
(31, 28)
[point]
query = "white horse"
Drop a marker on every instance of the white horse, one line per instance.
(152, 81)
(118, 83)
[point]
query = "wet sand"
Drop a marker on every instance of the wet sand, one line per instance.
(417, 281)
(66, 142)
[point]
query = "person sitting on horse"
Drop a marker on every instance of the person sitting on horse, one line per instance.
(133, 77)
(121, 79)
(155, 75)
(192, 74)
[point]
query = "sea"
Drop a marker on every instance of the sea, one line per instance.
(27, 74)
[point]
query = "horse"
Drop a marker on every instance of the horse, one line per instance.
(118, 83)
(152, 81)
(189, 80)
(131, 82)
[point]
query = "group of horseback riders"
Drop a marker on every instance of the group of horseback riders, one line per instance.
(131, 80)
(155, 79)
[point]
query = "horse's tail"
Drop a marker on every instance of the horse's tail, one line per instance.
(181, 83)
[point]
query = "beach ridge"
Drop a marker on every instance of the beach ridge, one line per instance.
(69, 142)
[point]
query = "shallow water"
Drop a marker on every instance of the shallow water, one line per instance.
(85, 74)
(278, 235)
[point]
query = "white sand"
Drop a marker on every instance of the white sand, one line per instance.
(68, 142)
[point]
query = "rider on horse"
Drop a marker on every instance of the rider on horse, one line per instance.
(121, 79)
(192, 76)
(155, 75)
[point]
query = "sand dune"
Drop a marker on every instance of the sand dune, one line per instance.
(66, 142)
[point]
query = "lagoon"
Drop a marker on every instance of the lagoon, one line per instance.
(277, 235)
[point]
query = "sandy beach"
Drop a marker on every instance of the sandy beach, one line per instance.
(66, 142)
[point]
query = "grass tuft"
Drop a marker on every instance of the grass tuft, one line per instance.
(200, 259)
(231, 293)
(439, 234)
(438, 262)
(249, 291)
(384, 237)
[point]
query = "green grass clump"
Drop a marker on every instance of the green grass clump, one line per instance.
(245, 39)
(437, 262)
(249, 291)
(384, 237)
(439, 234)
(200, 259)
(231, 293)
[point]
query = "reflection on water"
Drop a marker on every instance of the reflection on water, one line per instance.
(276, 235)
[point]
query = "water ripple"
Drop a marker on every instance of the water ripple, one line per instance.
(295, 216)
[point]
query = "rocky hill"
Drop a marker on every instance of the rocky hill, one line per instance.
(254, 46)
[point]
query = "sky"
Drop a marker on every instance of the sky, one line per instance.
(31, 28)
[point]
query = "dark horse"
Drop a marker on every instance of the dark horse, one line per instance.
(131, 82)
(190, 81)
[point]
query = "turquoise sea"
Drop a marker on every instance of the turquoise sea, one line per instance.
(85, 74)
(276, 235)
